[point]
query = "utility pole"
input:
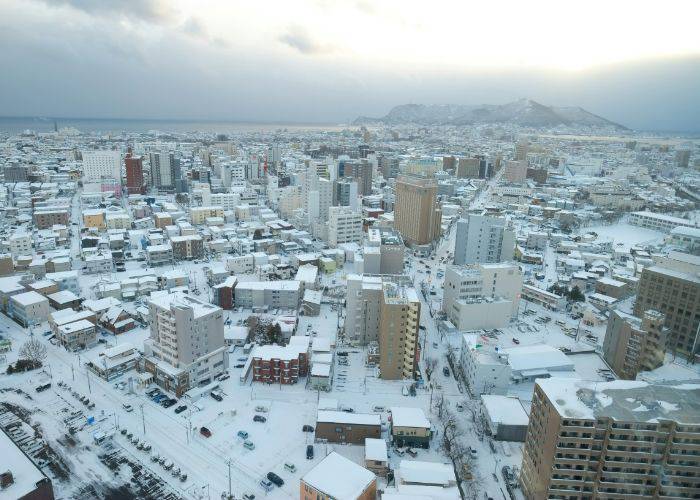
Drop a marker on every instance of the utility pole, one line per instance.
(72, 371)
(228, 462)
(87, 374)
(143, 420)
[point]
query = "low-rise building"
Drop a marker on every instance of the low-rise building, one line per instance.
(115, 361)
(376, 456)
(29, 308)
(505, 417)
(77, 335)
(347, 428)
(158, 255)
(187, 247)
(271, 294)
(410, 427)
(336, 477)
(280, 364)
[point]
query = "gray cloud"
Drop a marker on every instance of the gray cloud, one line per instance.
(194, 27)
(59, 64)
(300, 40)
(153, 11)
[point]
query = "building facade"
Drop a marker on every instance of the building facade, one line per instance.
(399, 316)
(417, 216)
(611, 440)
(633, 345)
(483, 239)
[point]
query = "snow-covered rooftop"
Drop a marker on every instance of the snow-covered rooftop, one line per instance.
(339, 477)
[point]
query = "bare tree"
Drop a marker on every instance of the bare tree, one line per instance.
(430, 364)
(33, 351)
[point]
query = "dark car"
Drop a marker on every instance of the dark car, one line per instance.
(515, 341)
(310, 452)
(307, 428)
(216, 396)
(261, 419)
(180, 409)
(205, 432)
(238, 366)
(168, 403)
(446, 371)
(274, 478)
(42, 388)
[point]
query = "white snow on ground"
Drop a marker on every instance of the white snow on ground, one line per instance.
(622, 235)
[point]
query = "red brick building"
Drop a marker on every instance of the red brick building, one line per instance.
(134, 175)
(274, 364)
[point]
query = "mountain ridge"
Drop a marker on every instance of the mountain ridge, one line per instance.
(524, 112)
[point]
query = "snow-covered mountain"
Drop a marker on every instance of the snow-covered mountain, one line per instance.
(524, 112)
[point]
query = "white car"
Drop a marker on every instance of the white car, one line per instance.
(127, 407)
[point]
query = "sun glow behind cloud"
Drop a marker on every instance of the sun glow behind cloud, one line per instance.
(459, 35)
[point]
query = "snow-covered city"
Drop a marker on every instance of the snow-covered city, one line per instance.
(372, 311)
(349, 250)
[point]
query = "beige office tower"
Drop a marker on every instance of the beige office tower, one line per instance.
(612, 440)
(634, 345)
(468, 168)
(417, 216)
(399, 316)
(521, 149)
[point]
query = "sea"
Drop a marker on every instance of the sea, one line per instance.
(14, 125)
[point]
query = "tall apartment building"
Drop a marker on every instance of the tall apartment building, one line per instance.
(482, 295)
(135, 181)
(360, 171)
(388, 166)
(362, 308)
(612, 440)
(399, 316)
(98, 165)
(633, 345)
(515, 171)
(468, 168)
(417, 215)
(165, 170)
(521, 150)
(345, 193)
(344, 226)
(186, 346)
(676, 294)
(682, 158)
(483, 239)
(384, 252)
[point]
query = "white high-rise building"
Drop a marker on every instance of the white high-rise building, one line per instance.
(483, 239)
(186, 346)
(99, 165)
(362, 308)
(344, 226)
(482, 295)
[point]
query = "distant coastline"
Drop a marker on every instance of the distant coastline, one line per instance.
(17, 124)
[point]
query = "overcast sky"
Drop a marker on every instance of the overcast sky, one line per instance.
(634, 62)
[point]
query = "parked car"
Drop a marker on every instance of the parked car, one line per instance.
(216, 395)
(473, 453)
(248, 496)
(266, 485)
(127, 407)
(515, 341)
(205, 432)
(42, 388)
(249, 445)
(275, 479)
(238, 366)
(261, 409)
(180, 409)
(445, 371)
(242, 434)
(289, 466)
(259, 418)
(310, 452)
(307, 428)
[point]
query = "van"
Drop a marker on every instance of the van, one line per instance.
(290, 467)
(266, 485)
